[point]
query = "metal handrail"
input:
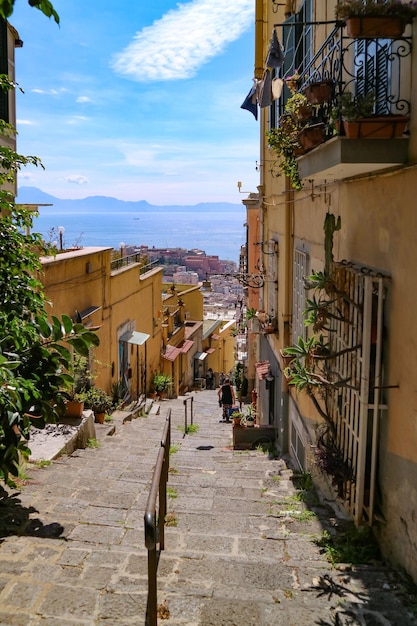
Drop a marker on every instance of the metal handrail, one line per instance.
(191, 400)
(124, 261)
(132, 259)
(155, 524)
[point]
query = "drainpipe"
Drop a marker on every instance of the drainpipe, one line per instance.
(259, 23)
(287, 315)
(289, 245)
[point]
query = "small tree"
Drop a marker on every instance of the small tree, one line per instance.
(35, 353)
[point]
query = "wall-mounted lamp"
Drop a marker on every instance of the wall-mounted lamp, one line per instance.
(272, 246)
(275, 5)
(239, 186)
(61, 231)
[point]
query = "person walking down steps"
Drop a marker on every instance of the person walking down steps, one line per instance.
(226, 398)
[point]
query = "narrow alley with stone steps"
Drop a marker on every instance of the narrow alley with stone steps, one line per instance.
(241, 551)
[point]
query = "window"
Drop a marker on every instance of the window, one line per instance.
(299, 296)
(297, 42)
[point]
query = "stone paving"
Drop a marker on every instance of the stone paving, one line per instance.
(243, 551)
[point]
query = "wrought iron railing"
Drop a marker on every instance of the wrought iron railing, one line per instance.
(359, 66)
(131, 259)
(147, 267)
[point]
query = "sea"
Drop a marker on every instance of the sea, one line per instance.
(214, 232)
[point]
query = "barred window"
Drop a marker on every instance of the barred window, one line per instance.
(299, 296)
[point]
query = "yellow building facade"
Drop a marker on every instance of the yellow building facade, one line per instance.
(121, 300)
(190, 345)
(350, 220)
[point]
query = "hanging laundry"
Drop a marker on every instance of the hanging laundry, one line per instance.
(265, 90)
(250, 103)
(277, 85)
(275, 56)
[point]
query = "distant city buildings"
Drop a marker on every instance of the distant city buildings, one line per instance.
(194, 260)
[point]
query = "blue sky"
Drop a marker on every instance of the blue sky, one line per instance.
(138, 100)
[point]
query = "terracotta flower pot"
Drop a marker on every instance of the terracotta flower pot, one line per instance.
(99, 417)
(311, 136)
(376, 127)
(73, 408)
(319, 92)
(372, 27)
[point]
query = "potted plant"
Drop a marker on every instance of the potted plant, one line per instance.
(237, 417)
(299, 107)
(161, 383)
(283, 141)
(250, 316)
(82, 380)
(370, 19)
(249, 418)
(250, 313)
(293, 82)
(99, 402)
(359, 121)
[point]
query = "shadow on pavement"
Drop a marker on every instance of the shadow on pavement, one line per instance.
(15, 519)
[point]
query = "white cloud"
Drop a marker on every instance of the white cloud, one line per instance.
(82, 99)
(77, 179)
(24, 122)
(49, 92)
(76, 118)
(178, 44)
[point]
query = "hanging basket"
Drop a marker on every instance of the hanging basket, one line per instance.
(311, 136)
(319, 92)
(303, 113)
(374, 27)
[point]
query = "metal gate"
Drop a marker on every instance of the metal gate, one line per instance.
(356, 407)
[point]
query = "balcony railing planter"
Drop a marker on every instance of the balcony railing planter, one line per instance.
(311, 136)
(319, 92)
(359, 121)
(376, 127)
(372, 19)
(299, 108)
(369, 27)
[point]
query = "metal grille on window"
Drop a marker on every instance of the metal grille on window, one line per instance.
(299, 296)
(355, 407)
(297, 41)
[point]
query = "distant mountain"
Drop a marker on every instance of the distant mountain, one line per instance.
(33, 195)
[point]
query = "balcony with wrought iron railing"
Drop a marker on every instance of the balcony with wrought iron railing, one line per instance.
(374, 71)
(133, 259)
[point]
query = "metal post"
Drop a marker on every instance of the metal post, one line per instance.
(185, 417)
